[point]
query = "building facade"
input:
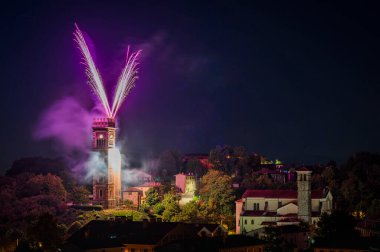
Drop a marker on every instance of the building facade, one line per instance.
(134, 195)
(260, 208)
(107, 170)
(185, 183)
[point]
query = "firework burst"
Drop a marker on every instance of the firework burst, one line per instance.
(125, 83)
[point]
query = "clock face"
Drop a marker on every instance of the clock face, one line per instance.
(101, 136)
(111, 136)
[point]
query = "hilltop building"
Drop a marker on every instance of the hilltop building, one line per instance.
(186, 185)
(259, 208)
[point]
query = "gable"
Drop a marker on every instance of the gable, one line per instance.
(290, 208)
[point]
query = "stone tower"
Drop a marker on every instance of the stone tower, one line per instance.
(107, 175)
(304, 194)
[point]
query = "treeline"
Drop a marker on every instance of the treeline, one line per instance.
(33, 200)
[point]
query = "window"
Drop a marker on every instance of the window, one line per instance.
(266, 206)
(279, 204)
(252, 222)
(100, 193)
(245, 222)
(129, 193)
(133, 250)
(256, 206)
(239, 223)
(304, 177)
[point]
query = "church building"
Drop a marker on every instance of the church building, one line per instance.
(259, 208)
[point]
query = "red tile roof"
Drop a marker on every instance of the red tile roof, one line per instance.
(268, 171)
(258, 213)
(150, 184)
(284, 194)
(133, 189)
(303, 169)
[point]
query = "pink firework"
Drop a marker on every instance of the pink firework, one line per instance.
(126, 80)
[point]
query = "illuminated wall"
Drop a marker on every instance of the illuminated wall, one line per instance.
(107, 180)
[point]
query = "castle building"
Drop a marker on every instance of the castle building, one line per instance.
(259, 208)
(107, 175)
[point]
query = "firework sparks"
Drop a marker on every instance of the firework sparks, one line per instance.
(125, 83)
(92, 73)
(126, 80)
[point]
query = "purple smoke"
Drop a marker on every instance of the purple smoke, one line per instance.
(67, 123)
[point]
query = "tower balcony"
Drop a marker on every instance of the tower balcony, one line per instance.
(103, 122)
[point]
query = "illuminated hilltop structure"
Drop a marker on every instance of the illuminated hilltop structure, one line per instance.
(107, 180)
(258, 209)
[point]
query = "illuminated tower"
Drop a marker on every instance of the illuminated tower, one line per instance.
(304, 194)
(107, 179)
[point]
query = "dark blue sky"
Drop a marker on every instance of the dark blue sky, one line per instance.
(294, 81)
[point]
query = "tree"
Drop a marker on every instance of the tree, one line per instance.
(152, 197)
(337, 226)
(194, 166)
(217, 195)
(189, 212)
(272, 235)
(158, 208)
(231, 160)
(170, 163)
(46, 233)
(43, 185)
(79, 194)
(360, 185)
(170, 203)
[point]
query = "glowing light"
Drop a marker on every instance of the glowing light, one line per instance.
(92, 73)
(125, 83)
(126, 80)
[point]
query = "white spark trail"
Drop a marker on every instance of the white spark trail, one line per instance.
(92, 72)
(126, 81)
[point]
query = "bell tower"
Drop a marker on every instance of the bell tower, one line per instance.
(107, 179)
(304, 194)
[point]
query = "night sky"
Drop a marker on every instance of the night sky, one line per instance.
(299, 82)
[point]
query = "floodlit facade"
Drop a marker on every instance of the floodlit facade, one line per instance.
(107, 175)
(260, 208)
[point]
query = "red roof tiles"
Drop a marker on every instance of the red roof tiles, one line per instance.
(284, 194)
